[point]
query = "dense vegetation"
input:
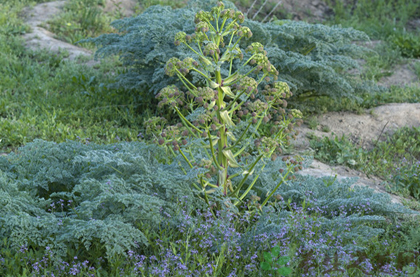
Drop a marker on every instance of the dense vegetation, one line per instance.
(96, 197)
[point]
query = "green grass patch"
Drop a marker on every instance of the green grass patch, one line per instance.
(397, 159)
(45, 97)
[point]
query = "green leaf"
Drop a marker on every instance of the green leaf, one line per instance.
(283, 260)
(232, 162)
(231, 136)
(228, 92)
(226, 119)
(211, 105)
(214, 85)
(246, 172)
(284, 271)
(275, 251)
(268, 257)
(265, 266)
(231, 78)
(205, 61)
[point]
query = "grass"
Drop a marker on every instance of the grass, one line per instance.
(43, 96)
(396, 159)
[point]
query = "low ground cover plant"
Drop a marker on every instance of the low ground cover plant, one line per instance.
(312, 58)
(119, 207)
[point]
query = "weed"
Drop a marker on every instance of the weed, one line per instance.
(416, 67)
(407, 43)
(312, 123)
(325, 129)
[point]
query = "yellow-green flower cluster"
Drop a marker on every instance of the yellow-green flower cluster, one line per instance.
(246, 32)
(204, 94)
(246, 83)
(264, 64)
(203, 16)
(202, 27)
(281, 90)
(296, 113)
(175, 65)
(269, 143)
(172, 134)
(210, 49)
(170, 95)
(180, 37)
(255, 48)
(232, 14)
(154, 124)
(266, 144)
(204, 118)
(257, 106)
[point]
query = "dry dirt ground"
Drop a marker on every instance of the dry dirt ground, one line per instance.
(362, 129)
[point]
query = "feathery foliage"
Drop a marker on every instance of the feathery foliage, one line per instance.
(312, 59)
(76, 197)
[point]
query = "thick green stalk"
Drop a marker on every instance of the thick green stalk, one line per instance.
(222, 143)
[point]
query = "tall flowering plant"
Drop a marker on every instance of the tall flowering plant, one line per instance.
(226, 98)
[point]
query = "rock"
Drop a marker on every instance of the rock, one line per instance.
(363, 130)
(319, 169)
(42, 38)
(126, 7)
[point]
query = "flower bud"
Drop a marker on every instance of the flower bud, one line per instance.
(161, 141)
(199, 99)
